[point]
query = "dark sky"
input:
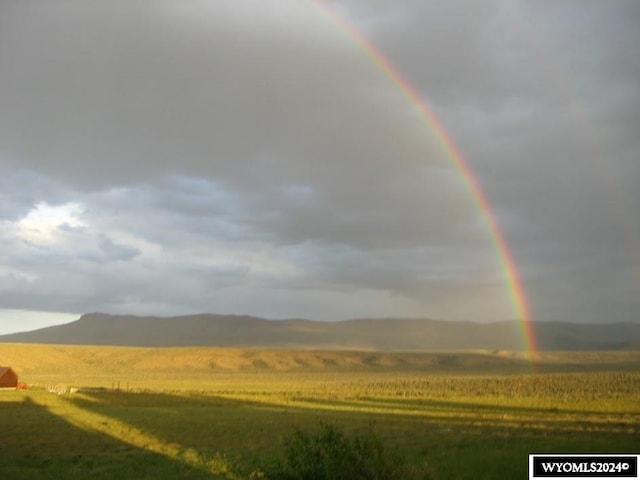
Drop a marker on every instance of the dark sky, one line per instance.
(169, 157)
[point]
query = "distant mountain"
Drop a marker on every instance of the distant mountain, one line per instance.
(360, 334)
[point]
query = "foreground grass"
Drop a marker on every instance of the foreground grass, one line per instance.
(443, 422)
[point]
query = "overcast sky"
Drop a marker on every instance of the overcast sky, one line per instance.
(247, 156)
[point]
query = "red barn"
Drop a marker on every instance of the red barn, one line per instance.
(8, 378)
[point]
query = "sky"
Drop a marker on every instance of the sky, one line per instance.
(170, 157)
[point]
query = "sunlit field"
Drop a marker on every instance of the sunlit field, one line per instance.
(223, 413)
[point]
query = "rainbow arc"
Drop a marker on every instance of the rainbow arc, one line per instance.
(516, 288)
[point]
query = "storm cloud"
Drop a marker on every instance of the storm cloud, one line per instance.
(168, 157)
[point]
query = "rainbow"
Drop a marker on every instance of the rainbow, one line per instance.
(453, 153)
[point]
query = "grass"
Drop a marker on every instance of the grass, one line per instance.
(447, 415)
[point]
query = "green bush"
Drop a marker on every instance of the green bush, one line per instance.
(329, 454)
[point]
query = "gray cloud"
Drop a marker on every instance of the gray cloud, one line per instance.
(117, 251)
(169, 157)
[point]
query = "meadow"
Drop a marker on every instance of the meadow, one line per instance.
(206, 413)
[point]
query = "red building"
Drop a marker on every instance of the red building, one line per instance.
(8, 378)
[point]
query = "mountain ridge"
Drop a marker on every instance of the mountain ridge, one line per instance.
(383, 334)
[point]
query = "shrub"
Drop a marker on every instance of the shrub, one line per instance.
(329, 454)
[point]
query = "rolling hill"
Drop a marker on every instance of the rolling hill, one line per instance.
(359, 334)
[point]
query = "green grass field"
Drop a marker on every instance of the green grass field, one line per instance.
(223, 413)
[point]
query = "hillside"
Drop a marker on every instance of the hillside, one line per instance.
(358, 334)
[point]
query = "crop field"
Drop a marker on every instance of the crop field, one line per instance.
(206, 413)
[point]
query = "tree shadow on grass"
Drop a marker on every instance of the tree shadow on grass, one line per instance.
(432, 431)
(206, 424)
(456, 409)
(38, 444)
